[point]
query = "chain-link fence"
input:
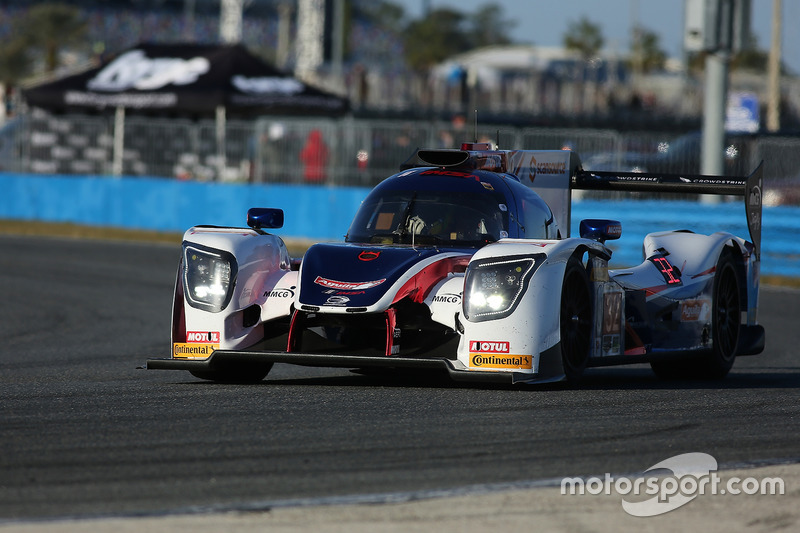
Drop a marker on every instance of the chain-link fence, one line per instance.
(345, 152)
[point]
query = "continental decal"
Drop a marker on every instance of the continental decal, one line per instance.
(182, 350)
(492, 361)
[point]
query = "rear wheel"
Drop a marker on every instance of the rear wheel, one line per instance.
(576, 319)
(725, 323)
(726, 319)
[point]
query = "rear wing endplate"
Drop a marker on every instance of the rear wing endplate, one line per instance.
(749, 188)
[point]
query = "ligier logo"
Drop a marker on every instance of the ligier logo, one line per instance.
(347, 285)
(489, 346)
(203, 336)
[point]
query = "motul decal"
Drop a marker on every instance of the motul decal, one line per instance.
(203, 336)
(489, 346)
(347, 285)
(368, 255)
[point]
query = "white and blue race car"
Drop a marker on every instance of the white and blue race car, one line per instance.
(463, 263)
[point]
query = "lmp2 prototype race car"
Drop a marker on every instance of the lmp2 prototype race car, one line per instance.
(462, 263)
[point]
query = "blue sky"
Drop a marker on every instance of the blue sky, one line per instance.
(544, 22)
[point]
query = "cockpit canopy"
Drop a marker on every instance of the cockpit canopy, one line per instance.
(430, 217)
(450, 208)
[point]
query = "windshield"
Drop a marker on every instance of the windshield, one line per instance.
(430, 217)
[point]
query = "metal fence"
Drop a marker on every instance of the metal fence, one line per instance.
(346, 152)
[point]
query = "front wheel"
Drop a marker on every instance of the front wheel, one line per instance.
(576, 320)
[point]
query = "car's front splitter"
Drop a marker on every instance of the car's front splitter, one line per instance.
(221, 359)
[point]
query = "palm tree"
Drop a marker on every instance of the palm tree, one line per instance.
(584, 37)
(49, 27)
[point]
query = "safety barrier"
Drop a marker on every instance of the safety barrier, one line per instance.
(342, 152)
(324, 212)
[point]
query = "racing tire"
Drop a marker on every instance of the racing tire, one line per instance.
(576, 320)
(726, 318)
(725, 324)
(240, 374)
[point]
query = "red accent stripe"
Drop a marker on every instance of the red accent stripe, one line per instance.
(705, 272)
(650, 291)
(421, 284)
(293, 343)
(391, 324)
(633, 343)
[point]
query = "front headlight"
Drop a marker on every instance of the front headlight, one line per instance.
(493, 287)
(208, 277)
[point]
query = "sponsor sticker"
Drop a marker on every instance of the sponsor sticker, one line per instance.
(347, 285)
(191, 350)
(203, 336)
(488, 361)
(279, 292)
(447, 298)
(694, 310)
(489, 346)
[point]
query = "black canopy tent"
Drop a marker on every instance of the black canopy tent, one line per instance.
(184, 80)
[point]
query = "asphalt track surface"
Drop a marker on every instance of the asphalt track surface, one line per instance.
(84, 433)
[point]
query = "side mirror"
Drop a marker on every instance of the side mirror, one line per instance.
(264, 217)
(600, 230)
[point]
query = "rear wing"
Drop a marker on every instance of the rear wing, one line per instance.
(750, 188)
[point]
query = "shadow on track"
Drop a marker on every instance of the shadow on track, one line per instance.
(599, 379)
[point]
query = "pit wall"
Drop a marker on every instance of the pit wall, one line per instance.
(324, 213)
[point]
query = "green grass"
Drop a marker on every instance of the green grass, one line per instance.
(297, 247)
